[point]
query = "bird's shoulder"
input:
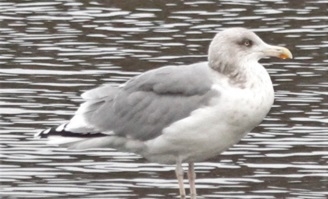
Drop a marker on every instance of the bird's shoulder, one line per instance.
(184, 80)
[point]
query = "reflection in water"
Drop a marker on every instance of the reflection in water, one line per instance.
(53, 51)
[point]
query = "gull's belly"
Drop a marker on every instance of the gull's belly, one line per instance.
(210, 130)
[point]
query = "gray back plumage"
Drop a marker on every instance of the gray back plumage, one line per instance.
(148, 103)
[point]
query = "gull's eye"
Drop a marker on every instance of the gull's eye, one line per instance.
(248, 43)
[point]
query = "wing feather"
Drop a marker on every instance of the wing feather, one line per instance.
(150, 102)
(145, 105)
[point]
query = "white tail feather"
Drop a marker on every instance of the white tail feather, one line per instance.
(59, 140)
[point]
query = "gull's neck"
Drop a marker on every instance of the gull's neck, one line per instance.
(250, 74)
(257, 77)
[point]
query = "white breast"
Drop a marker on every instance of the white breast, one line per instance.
(210, 130)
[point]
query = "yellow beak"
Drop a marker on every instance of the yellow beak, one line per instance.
(277, 51)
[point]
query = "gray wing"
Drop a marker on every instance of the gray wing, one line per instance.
(148, 103)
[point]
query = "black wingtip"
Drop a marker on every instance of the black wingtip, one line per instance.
(48, 132)
(60, 131)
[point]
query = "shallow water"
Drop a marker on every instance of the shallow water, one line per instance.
(53, 51)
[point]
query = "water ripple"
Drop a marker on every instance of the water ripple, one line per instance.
(53, 51)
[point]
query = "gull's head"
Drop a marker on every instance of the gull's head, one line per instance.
(234, 46)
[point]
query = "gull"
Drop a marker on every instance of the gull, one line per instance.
(179, 114)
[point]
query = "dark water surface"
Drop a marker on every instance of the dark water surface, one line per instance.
(53, 51)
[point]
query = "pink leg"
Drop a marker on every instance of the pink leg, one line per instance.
(192, 178)
(179, 173)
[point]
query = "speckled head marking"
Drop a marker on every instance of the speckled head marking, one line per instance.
(233, 50)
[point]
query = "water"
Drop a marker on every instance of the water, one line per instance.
(53, 51)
